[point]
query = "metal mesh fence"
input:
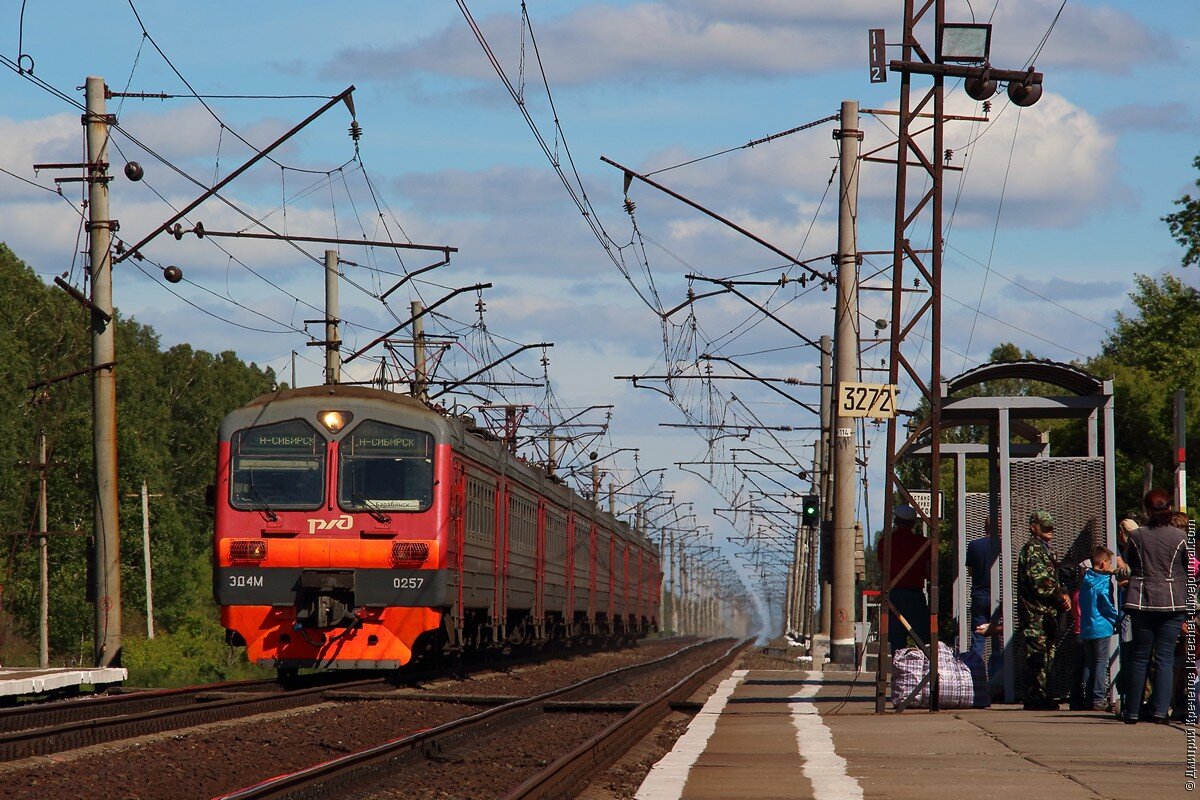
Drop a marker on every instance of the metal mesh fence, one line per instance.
(1072, 490)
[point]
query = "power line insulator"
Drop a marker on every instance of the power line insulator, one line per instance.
(172, 274)
(979, 88)
(629, 206)
(1024, 94)
(355, 130)
(134, 171)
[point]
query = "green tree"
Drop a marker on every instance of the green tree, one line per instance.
(169, 405)
(1151, 354)
(1185, 224)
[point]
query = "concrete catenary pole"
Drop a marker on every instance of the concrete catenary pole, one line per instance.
(845, 445)
(106, 532)
(333, 355)
(673, 570)
(663, 595)
(823, 482)
(43, 559)
(420, 382)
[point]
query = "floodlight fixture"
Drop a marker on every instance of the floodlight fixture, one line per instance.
(965, 43)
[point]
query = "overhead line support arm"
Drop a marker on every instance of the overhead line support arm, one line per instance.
(410, 320)
(791, 259)
(261, 154)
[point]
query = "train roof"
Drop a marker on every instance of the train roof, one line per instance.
(339, 390)
(460, 429)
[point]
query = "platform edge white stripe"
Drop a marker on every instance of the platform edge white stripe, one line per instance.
(666, 778)
(823, 767)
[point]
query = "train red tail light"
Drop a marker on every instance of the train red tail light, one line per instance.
(409, 553)
(247, 551)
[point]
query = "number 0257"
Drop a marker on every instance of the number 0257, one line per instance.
(876, 400)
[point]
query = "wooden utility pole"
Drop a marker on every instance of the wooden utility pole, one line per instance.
(107, 560)
(145, 495)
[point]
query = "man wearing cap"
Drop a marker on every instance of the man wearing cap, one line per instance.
(908, 588)
(1041, 596)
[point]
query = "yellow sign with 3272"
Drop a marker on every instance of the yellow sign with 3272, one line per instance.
(876, 400)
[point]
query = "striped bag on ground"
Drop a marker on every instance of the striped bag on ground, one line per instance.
(960, 685)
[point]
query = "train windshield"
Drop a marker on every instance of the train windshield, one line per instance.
(279, 466)
(385, 468)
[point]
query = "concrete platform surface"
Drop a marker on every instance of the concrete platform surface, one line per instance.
(767, 735)
(33, 681)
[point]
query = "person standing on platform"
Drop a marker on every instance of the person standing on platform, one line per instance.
(1040, 598)
(981, 555)
(1097, 622)
(908, 589)
(1156, 602)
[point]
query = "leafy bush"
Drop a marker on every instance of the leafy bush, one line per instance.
(194, 653)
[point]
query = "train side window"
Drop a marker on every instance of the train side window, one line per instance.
(277, 466)
(481, 511)
(385, 468)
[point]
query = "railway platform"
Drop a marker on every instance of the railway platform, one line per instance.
(17, 681)
(770, 735)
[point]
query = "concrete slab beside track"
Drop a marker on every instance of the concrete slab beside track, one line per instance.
(16, 682)
(774, 734)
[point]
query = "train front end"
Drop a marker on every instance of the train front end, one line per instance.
(331, 528)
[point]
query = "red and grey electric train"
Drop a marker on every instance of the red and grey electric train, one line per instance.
(356, 528)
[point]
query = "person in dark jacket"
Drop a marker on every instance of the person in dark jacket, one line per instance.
(1156, 602)
(908, 589)
(980, 556)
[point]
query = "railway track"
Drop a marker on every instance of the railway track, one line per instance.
(46, 729)
(91, 708)
(139, 716)
(391, 769)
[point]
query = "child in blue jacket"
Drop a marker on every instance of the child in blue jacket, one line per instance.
(1097, 622)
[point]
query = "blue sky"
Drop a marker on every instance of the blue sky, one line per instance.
(1062, 199)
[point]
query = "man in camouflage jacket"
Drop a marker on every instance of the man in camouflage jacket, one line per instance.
(1041, 597)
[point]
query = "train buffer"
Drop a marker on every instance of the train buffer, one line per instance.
(767, 735)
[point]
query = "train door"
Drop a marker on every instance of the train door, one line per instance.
(457, 538)
(500, 563)
(639, 587)
(612, 578)
(593, 569)
(569, 600)
(539, 572)
(628, 608)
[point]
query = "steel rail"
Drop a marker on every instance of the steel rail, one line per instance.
(76, 710)
(83, 733)
(372, 764)
(566, 776)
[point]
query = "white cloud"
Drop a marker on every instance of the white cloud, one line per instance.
(686, 39)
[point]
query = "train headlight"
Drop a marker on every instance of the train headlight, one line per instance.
(334, 421)
(247, 551)
(409, 553)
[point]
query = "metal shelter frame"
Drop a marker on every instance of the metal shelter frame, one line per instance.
(1088, 398)
(916, 333)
